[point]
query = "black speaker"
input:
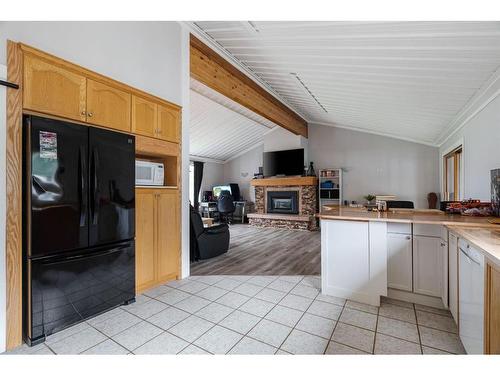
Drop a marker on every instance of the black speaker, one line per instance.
(235, 191)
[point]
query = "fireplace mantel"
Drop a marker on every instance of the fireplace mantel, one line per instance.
(285, 181)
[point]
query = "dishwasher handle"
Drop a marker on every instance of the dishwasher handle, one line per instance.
(468, 256)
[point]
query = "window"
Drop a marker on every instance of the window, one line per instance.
(452, 174)
(191, 182)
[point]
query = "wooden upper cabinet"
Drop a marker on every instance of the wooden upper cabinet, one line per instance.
(51, 89)
(168, 224)
(108, 106)
(56, 87)
(169, 120)
(144, 116)
(145, 241)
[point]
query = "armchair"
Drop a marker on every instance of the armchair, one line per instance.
(208, 242)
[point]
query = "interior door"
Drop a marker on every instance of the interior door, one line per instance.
(112, 186)
(56, 175)
(168, 228)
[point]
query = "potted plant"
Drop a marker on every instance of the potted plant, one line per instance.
(369, 198)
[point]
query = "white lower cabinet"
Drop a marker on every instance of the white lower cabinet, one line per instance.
(453, 276)
(428, 266)
(399, 261)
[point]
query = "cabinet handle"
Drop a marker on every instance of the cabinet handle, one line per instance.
(408, 237)
(90, 114)
(83, 113)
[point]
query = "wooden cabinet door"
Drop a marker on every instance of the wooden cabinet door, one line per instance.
(54, 90)
(169, 123)
(399, 261)
(145, 238)
(108, 106)
(492, 310)
(427, 266)
(169, 234)
(144, 117)
(453, 276)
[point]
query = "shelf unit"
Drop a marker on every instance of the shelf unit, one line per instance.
(330, 195)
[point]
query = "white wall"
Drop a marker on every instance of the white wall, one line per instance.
(280, 139)
(146, 55)
(481, 150)
(213, 174)
(3, 275)
(376, 164)
(241, 170)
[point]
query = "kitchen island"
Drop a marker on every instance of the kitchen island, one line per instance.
(364, 253)
(420, 256)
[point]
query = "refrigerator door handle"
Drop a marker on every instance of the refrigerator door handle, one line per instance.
(87, 256)
(95, 214)
(83, 190)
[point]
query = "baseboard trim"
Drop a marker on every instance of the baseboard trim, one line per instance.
(415, 298)
(369, 299)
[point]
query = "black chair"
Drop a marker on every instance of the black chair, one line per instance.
(399, 204)
(225, 206)
(208, 242)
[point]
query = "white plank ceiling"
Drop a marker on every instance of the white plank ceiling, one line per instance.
(403, 79)
(220, 129)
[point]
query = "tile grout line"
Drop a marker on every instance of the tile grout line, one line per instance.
(418, 329)
(335, 327)
(376, 331)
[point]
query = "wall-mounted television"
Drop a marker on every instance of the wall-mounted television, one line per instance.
(284, 163)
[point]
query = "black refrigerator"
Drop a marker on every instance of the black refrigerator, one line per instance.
(78, 224)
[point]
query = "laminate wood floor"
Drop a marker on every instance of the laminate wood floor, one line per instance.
(263, 251)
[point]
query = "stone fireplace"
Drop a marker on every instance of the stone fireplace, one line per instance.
(288, 202)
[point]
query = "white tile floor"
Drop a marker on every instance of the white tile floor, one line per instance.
(256, 315)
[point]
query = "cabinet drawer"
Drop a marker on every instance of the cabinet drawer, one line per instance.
(428, 230)
(404, 228)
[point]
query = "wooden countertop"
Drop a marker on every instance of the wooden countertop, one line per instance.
(404, 216)
(485, 239)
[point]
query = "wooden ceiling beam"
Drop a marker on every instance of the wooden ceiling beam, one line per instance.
(209, 68)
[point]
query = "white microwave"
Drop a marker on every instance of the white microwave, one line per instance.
(148, 173)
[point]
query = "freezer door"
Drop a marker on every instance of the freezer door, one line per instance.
(112, 186)
(67, 290)
(55, 185)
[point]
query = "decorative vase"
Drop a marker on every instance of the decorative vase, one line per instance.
(310, 170)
